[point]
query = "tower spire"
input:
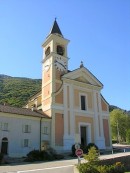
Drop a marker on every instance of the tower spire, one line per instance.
(55, 29)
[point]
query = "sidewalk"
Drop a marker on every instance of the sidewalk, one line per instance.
(110, 156)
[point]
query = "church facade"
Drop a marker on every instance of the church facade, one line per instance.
(69, 109)
(72, 99)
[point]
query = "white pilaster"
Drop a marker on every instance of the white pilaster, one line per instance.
(96, 130)
(68, 138)
(72, 116)
(99, 139)
(100, 115)
(53, 130)
(102, 139)
(65, 110)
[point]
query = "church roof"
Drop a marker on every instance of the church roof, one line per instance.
(55, 29)
(22, 111)
(83, 75)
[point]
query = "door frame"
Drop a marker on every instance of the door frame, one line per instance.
(88, 131)
(4, 143)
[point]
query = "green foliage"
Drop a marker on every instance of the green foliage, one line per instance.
(93, 156)
(92, 145)
(87, 168)
(128, 136)
(92, 161)
(112, 107)
(94, 165)
(114, 141)
(16, 91)
(45, 155)
(118, 167)
(33, 155)
(103, 169)
(120, 122)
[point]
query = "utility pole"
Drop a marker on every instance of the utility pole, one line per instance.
(118, 134)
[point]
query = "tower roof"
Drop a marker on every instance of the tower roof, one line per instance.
(55, 29)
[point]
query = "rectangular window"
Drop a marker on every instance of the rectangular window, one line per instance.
(5, 127)
(83, 102)
(26, 128)
(45, 130)
(26, 143)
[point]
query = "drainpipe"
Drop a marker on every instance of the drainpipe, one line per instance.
(40, 132)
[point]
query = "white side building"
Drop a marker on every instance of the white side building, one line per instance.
(23, 130)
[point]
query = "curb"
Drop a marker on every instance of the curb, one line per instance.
(76, 170)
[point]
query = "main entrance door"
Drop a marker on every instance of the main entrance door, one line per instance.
(4, 146)
(83, 131)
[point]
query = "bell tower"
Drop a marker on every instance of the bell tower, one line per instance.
(54, 65)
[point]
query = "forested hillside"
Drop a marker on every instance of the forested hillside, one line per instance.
(16, 91)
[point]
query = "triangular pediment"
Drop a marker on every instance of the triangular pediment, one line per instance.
(82, 79)
(83, 75)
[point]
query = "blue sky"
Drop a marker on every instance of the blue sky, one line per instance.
(99, 34)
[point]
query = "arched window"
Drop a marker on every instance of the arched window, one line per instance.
(60, 50)
(47, 51)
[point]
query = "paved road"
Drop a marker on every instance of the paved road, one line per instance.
(63, 169)
(64, 166)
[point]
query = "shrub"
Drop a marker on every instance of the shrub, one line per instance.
(91, 145)
(91, 165)
(114, 141)
(119, 167)
(95, 166)
(45, 155)
(73, 149)
(33, 156)
(103, 169)
(55, 154)
(92, 157)
(84, 148)
(87, 168)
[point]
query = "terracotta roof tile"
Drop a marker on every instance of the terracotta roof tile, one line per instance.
(22, 111)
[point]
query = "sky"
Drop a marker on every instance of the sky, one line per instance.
(99, 34)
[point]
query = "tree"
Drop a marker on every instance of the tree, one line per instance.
(128, 136)
(120, 123)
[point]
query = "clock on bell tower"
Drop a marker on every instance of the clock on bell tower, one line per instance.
(55, 64)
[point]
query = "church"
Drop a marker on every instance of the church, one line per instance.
(69, 109)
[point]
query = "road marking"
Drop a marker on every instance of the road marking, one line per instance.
(59, 167)
(11, 172)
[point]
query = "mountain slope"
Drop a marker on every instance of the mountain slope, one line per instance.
(16, 91)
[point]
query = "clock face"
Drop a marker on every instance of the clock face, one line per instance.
(47, 65)
(60, 64)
